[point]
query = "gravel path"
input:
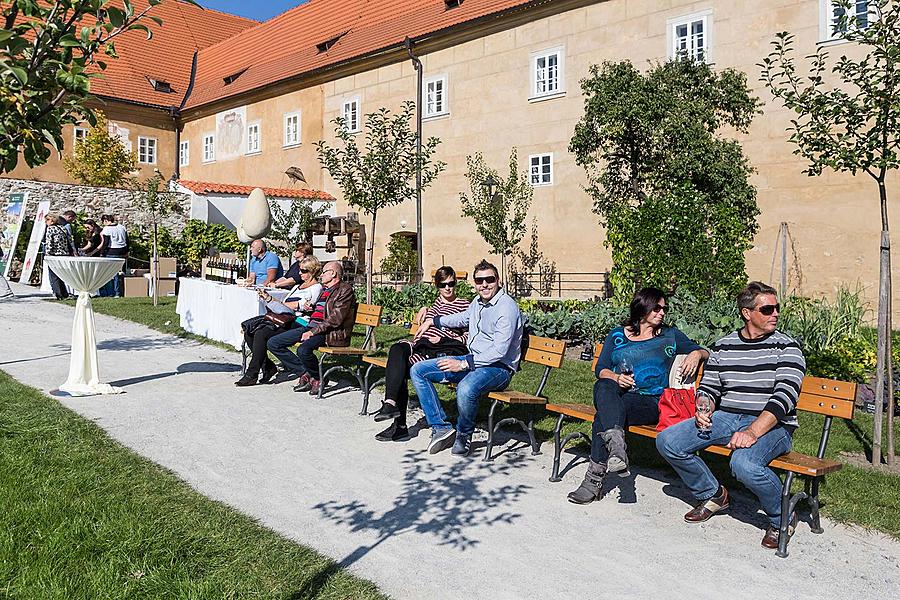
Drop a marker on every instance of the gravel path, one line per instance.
(423, 526)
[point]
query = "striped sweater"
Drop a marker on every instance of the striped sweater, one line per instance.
(750, 376)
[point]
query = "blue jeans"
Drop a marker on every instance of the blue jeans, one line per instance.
(679, 443)
(305, 359)
(471, 386)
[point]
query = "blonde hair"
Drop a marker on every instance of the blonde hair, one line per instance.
(312, 264)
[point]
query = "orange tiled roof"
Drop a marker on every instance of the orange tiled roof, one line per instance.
(167, 56)
(202, 188)
(285, 46)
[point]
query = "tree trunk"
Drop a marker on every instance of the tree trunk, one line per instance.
(370, 253)
(889, 329)
(155, 268)
(884, 322)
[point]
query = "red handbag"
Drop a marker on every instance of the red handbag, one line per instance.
(675, 405)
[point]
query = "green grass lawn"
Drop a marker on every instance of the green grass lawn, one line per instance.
(83, 517)
(868, 498)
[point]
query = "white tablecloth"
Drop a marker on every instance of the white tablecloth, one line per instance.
(216, 310)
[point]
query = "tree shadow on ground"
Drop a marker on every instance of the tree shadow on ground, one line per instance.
(132, 344)
(449, 502)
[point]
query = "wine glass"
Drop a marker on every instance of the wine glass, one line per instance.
(704, 406)
(626, 368)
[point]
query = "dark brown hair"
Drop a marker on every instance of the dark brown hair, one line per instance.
(486, 266)
(644, 301)
(443, 273)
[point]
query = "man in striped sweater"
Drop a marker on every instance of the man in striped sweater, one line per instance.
(754, 376)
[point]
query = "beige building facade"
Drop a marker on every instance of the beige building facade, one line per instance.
(489, 103)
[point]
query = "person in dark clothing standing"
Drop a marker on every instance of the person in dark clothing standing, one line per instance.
(57, 242)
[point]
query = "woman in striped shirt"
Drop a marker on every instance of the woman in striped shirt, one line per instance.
(402, 355)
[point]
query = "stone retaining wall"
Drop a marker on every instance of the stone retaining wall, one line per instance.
(93, 202)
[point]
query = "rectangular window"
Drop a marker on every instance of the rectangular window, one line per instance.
(146, 150)
(689, 37)
(436, 97)
(184, 153)
(547, 73)
(209, 147)
(292, 129)
(830, 26)
(79, 135)
(350, 112)
(541, 169)
(253, 138)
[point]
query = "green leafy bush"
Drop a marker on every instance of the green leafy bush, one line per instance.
(704, 321)
(558, 324)
(401, 256)
(198, 237)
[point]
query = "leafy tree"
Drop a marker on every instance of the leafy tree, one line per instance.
(198, 237)
(674, 196)
(852, 127)
(499, 213)
(48, 54)
(401, 257)
(294, 225)
(100, 159)
(153, 197)
(532, 261)
(384, 174)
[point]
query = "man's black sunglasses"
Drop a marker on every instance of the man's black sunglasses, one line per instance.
(446, 284)
(488, 279)
(769, 309)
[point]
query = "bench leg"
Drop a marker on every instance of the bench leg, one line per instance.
(490, 440)
(367, 389)
(322, 375)
(814, 506)
(557, 450)
(535, 446)
(785, 516)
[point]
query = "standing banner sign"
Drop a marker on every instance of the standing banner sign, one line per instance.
(34, 242)
(10, 224)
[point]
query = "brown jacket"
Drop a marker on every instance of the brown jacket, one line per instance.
(340, 316)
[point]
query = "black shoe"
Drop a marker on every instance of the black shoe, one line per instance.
(269, 371)
(245, 381)
(394, 433)
(387, 412)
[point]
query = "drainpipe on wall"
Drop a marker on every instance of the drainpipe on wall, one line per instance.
(417, 65)
(175, 112)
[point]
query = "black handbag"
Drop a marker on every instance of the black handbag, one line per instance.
(254, 324)
(445, 347)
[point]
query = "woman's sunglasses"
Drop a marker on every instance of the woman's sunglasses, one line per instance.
(488, 279)
(304, 271)
(768, 309)
(446, 284)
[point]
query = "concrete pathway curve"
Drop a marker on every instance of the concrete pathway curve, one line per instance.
(423, 526)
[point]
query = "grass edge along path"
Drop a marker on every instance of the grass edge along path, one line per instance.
(84, 517)
(852, 495)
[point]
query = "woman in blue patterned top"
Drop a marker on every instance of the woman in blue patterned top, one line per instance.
(632, 370)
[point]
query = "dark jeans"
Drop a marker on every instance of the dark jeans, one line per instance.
(618, 408)
(257, 342)
(395, 377)
(58, 286)
(305, 359)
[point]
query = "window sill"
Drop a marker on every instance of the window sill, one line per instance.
(289, 146)
(254, 153)
(544, 97)
(538, 185)
(207, 162)
(831, 42)
(436, 116)
(147, 164)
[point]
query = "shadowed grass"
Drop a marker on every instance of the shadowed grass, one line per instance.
(868, 498)
(83, 517)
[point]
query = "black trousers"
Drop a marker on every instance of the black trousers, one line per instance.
(395, 377)
(259, 356)
(58, 286)
(618, 408)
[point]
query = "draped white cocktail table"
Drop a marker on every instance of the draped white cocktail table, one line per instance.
(84, 275)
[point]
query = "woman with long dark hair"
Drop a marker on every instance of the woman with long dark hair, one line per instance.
(435, 342)
(632, 370)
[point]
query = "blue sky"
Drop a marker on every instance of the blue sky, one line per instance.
(259, 10)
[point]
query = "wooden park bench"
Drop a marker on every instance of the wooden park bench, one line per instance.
(369, 316)
(373, 362)
(826, 397)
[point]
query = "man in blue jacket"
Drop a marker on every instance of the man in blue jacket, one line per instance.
(494, 341)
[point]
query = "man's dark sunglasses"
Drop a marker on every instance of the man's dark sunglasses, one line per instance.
(769, 309)
(488, 279)
(446, 284)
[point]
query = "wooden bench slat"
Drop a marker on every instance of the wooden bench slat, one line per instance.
(343, 351)
(368, 320)
(378, 361)
(584, 412)
(368, 309)
(514, 397)
(823, 405)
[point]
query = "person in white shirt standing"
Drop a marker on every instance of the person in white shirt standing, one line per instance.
(116, 239)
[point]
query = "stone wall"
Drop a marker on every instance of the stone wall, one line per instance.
(93, 202)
